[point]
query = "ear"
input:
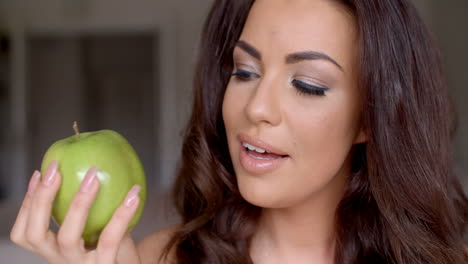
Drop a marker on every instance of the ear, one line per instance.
(361, 137)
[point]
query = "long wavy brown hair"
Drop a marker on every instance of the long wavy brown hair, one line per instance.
(403, 202)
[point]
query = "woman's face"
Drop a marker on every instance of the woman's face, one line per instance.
(293, 94)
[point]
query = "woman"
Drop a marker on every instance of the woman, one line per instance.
(320, 133)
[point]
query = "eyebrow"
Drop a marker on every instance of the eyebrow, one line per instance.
(310, 55)
(290, 58)
(249, 49)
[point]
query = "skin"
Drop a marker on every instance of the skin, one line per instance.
(31, 229)
(317, 132)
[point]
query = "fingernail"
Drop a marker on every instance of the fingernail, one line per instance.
(88, 180)
(33, 182)
(132, 196)
(50, 173)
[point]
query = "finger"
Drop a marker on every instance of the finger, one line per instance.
(115, 230)
(17, 234)
(69, 236)
(127, 252)
(38, 233)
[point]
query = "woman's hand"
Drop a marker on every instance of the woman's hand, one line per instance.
(31, 229)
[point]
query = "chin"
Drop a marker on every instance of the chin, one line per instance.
(275, 192)
(263, 193)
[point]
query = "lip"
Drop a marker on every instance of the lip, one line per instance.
(243, 138)
(257, 166)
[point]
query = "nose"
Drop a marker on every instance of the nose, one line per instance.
(263, 106)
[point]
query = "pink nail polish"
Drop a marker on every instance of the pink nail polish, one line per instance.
(132, 196)
(50, 173)
(88, 180)
(33, 182)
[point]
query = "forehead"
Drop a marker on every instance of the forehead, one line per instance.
(286, 26)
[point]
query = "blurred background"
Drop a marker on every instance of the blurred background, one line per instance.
(127, 66)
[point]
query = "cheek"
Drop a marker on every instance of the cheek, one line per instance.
(322, 141)
(230, 110)
(324, 132)
(232, 115)
(323, 138)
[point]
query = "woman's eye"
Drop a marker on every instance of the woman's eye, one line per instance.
(308, 89)
(244, 75)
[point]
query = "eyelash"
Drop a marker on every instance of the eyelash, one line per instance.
(307, 89)
(301, 87)
(244, 75)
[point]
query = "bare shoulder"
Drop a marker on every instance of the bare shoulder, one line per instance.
(151, 247)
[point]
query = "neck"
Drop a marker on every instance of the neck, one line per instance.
(303, 232)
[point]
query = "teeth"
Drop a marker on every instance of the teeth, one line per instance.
(250, 147)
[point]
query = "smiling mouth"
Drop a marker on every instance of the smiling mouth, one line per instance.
(261, 154)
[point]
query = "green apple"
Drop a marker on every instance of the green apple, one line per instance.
(119, 168)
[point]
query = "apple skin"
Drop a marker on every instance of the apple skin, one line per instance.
(119, 168)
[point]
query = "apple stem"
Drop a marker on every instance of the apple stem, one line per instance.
(77, 131)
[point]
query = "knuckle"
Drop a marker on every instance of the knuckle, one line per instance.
(40, 191)
(34, 238)
(16, 238)
(121, 215)
(41, 197)
(26, 203)
(107, 243)
(79, 203)
(64, 241)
